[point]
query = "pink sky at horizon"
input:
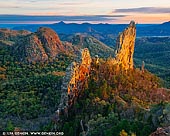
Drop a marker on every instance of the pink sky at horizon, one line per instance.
(142, 11)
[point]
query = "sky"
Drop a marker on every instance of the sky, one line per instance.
(92, 11)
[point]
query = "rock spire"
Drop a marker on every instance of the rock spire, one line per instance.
(125, 47)
(74, 81)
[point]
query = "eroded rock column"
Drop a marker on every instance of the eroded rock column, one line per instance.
(125, 46)
(73, 82)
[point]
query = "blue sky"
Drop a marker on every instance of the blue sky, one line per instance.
(94, 11)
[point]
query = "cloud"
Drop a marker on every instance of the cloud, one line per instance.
(29, 18)
(70, 3)
(145, 10)
(54, 1)
(7, 7)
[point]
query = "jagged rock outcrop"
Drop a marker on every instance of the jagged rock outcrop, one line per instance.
(77, 73)
(50, 41)
(74, 81)
(125, 47)
(40, 46)
(30, 49)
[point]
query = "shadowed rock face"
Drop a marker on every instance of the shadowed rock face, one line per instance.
(31, 49)
(94, 45)
(125, 46)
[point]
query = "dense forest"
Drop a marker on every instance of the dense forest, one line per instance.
(29, 92)
(154, 51)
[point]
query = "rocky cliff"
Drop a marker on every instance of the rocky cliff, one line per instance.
(50, 41)
(125, 47)
(44, 44)
(77, 73)
(74, 81)
(41, 46)
(30, 49)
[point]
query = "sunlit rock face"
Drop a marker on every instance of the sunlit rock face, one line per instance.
(50, 41)
(74, 81)
(40, 46)
(125, 47)
(77, 73)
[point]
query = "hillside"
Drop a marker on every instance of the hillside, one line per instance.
(85, 41)
(9, 37)
(114, 98)
(39, 46)
(154, 51)
(31, 71)
(82, 89)
(45, 45)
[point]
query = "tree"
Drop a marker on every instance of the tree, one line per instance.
(10, 126)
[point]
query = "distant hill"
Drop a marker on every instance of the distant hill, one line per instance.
(102, 29)
(166, 24)
(85, 41)
(71, 28)
(44, 44)
(155, 30)
(40, 46)
(9, 37)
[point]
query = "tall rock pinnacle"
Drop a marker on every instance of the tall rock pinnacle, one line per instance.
(77, 73)
(125, 46)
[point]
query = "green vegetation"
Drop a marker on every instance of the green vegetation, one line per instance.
(117, 102)
(154, 51)
(95, 46)
(28, 91)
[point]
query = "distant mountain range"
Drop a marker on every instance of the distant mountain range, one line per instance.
(44, 44)
(102, 29)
